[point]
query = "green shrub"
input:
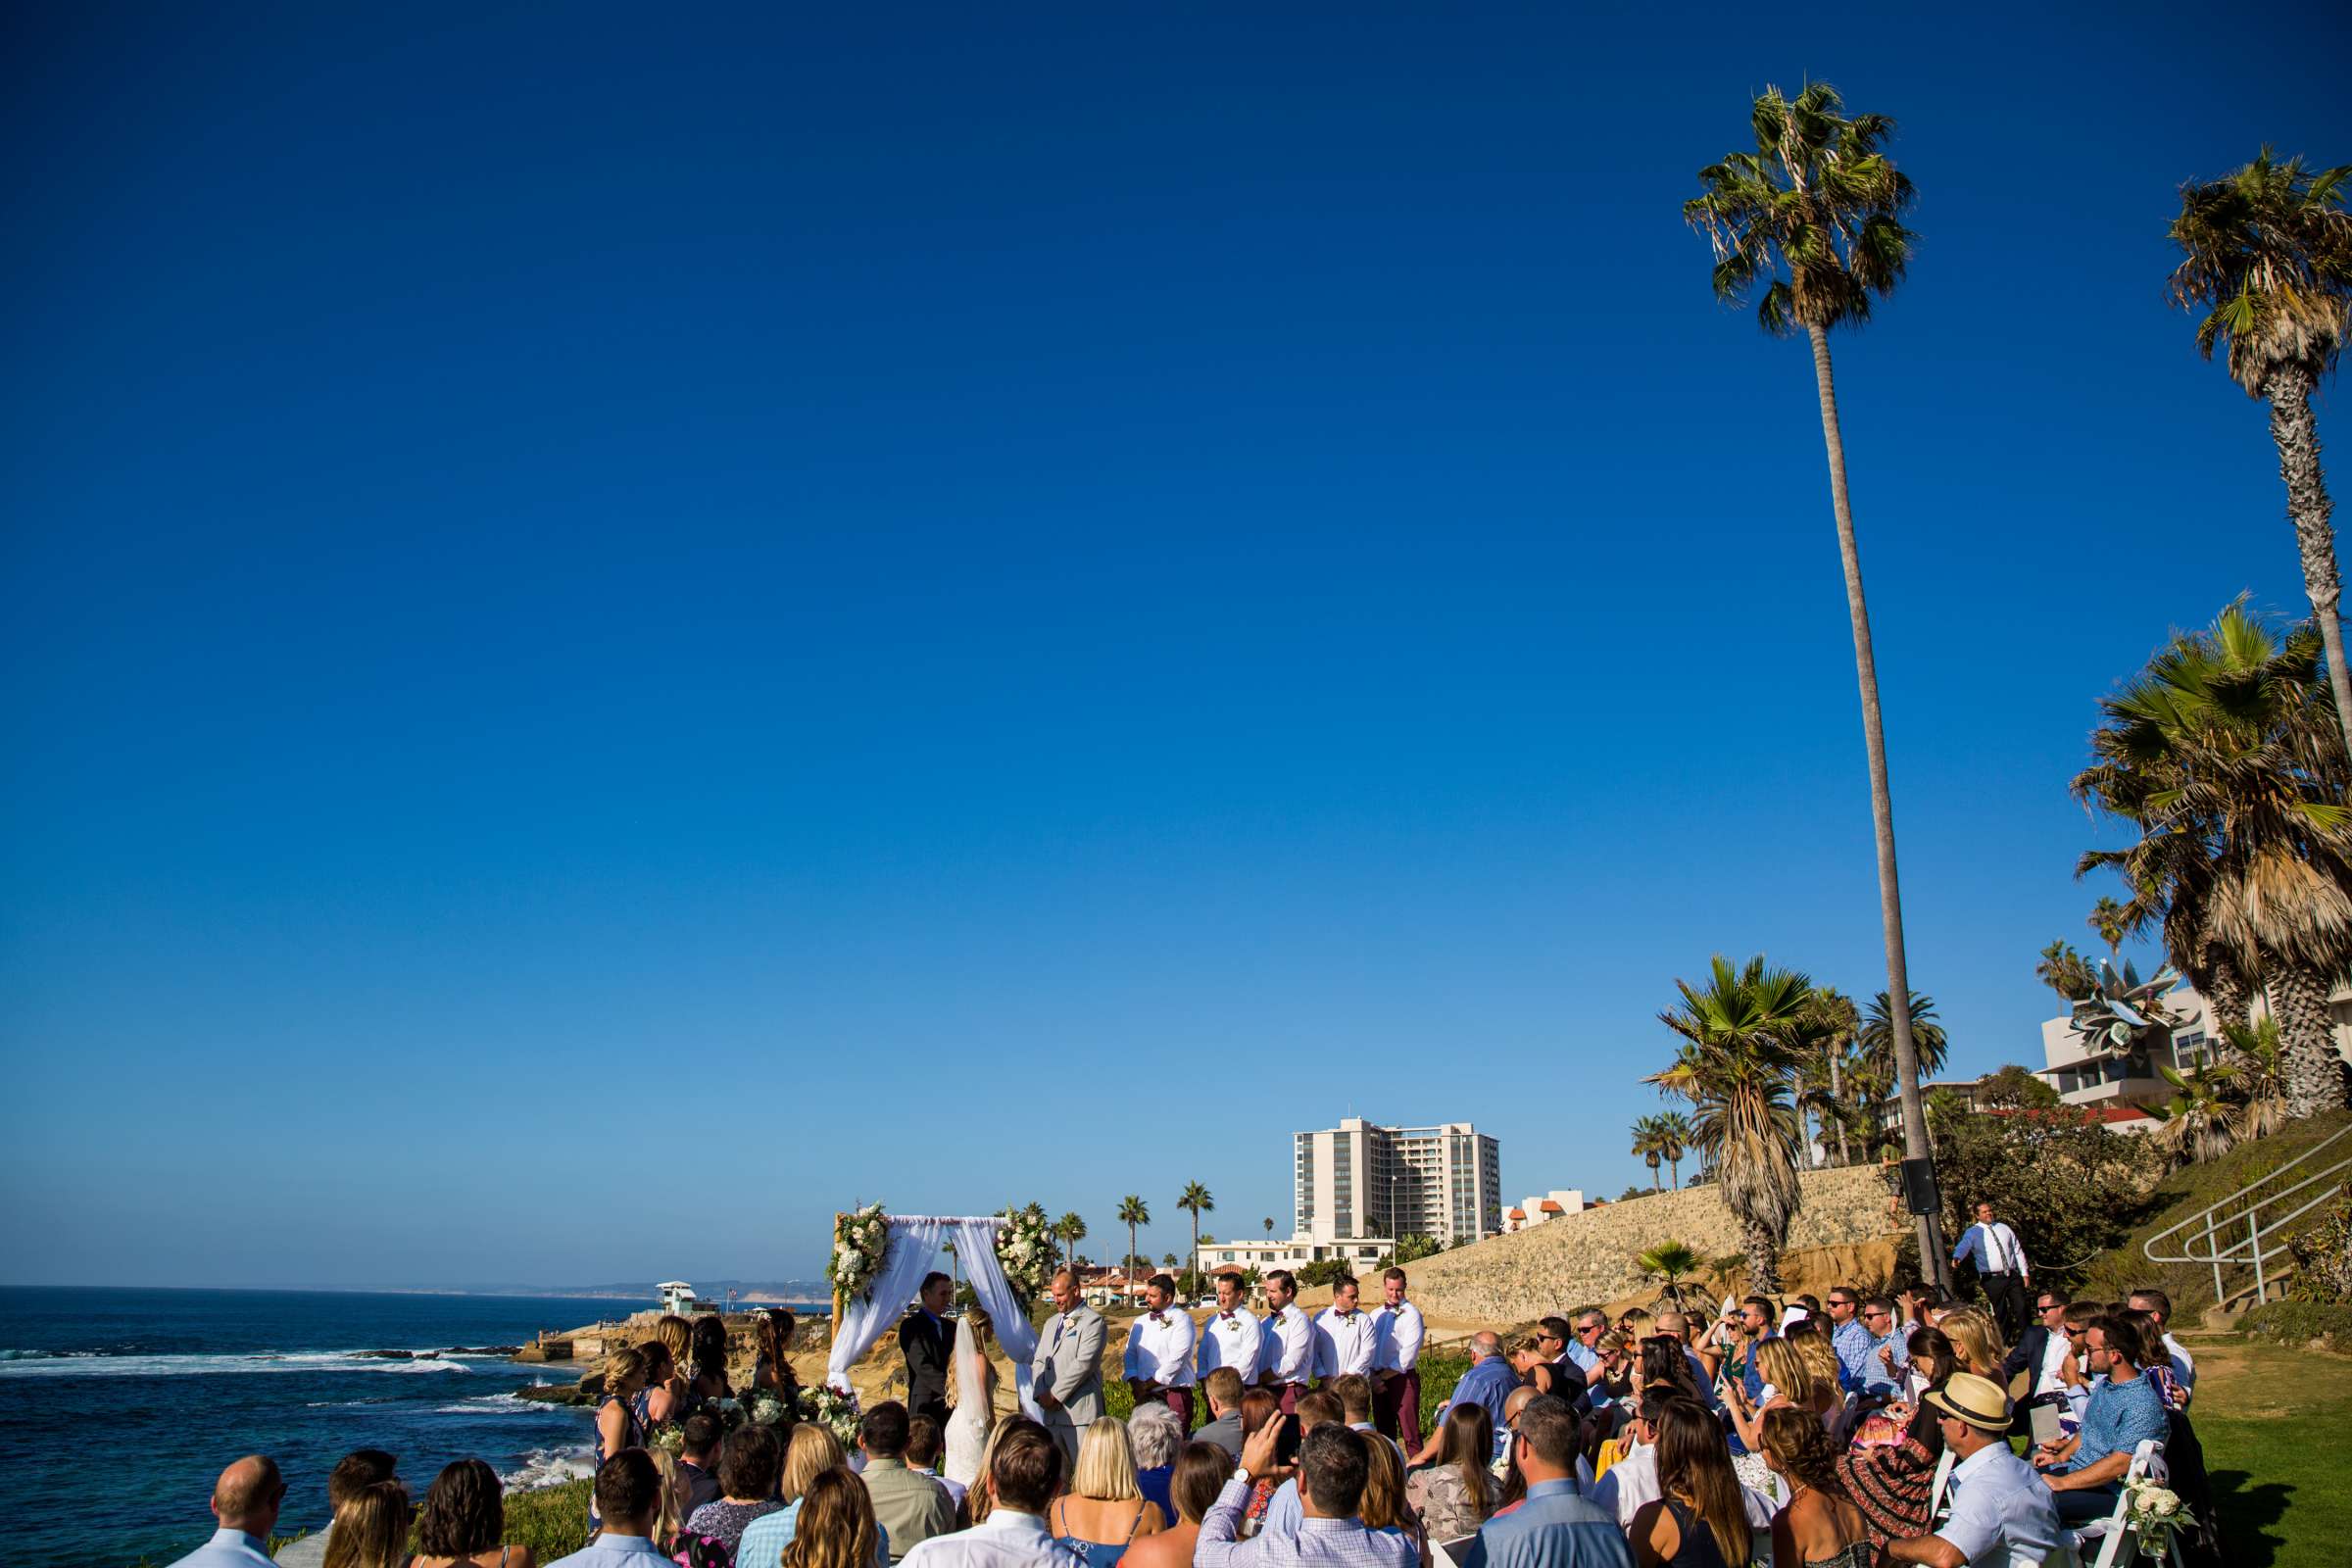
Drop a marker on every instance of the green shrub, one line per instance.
(2323, 1255)
(553, 1521)
(2299, 1323)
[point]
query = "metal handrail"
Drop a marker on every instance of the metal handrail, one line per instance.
(2207, 1224)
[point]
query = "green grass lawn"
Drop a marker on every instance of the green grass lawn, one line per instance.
(2276, 1427)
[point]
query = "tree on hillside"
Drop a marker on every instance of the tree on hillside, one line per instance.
(1837, 1023)
(2255, 1052)
(1195, 1202)
(2222, 755)
(1670, 1263)
(2200, 1120)
(1268, 1223)
(1744, 1035)
(2065, 971)
(1649, 1143)
(2011, 1084)
(1813, 219)
(1674, 1141)
(2268, 252)
(1132, 1212)
(1072, 1230)
(1412, 1247)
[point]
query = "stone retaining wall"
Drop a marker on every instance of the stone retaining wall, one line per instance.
(1590, 1257)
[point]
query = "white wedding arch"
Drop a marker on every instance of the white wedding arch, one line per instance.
(913, 1245)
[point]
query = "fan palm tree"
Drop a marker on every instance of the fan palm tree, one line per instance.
(2200, 1123)
(1648, 1144)
(2064, 971)
(1132, 1212)
(1838, 1024)
(1674, 1141)
(1813, 216)
(2268, 254)
(1268, 1223)
(1195, 1202)
(1670, 1263)
(2255, 1054)
(2109, 919)
(2222, 755)
(1742, 1036)
(1072, 1230)
(1928, 1041)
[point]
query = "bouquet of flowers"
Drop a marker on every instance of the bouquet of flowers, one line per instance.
(2154, 1510)
(1024, 1251)
(860, 1239)
(668, 1434)
(763, 1408)
(837, 1413)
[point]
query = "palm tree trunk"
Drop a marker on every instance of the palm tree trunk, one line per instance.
(2297, 436)
(2225, 988)
(1763, 1258)
(1675, 1162)
(1845, 1155)
(2315, 1080)
(1882, 811)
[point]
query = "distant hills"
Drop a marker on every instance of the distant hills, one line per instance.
(745, 1291)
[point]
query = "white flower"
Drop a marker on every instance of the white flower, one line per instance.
(2165, 1504)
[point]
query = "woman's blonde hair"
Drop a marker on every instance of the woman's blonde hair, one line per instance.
(1105, 1463)
(976, 1501)
(1820, 1358)
(671, 1518)
(1974, 1339)
(624, 1365)
(677, 1334)
(1526, 1345)
(1784, 1367)
(1383, 1506)
(836, 1528)
(813, 1450)
(371, 1529)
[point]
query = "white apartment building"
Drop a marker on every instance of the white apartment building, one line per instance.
(2084, 1078)
(1358, 1180)
(1537, 1207)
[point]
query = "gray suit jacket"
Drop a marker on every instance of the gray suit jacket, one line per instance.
(1068, 1365)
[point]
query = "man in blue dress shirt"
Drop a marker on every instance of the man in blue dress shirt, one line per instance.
(628, 1499)
(245, 1499)
(1488, 1382)
(1557, 1527)
(2087, 1470)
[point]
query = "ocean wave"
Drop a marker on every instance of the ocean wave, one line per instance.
(107, 1364)
(495, 1404)
(546, 1467)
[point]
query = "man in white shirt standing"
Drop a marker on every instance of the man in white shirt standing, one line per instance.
(1344, 1334)
(1159, 1351)
(2001, 1268)
(1286, 1355)
(1021, 1480)
(1398, 1333)
(1230, 1337)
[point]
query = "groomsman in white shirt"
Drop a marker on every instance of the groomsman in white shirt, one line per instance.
(1345, 1335)
(1396, 1363)
(1159, 1351)
(1230, 1337)
(1285, 1351)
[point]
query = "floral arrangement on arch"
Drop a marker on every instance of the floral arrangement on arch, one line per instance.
(837, 1413)
(1025, 1252)
(2155, 1510)
(860, 1239)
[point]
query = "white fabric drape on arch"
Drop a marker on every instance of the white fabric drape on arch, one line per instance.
(976, 1243)
(910, 1247)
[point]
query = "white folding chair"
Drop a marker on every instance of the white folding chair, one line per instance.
(2118, 1543)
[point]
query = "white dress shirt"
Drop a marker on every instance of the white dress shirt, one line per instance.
(1398, 1332)
(2055, 1353)
(1159, 1347)
(2001, 1510)
(1344, 1344)
(1004, 1540)
(1286, 1346)
(228, 1549)
(1229, 1338)
(2185, 1365)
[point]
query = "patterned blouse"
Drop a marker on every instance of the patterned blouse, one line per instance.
(1442, 1498)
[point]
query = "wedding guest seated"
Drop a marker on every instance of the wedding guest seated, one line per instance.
(1383, 1508)
(837, 1529)
(1024, 1471)
(1200, 1475)
(464, 1521)
(1488, 1382)
(1459, 1492)
(1976, 1340)
(1557, 1527)
(2158, 1306)
(697, 1457)
(245, 1502)
(2001, 1511)
(1103, 1509)
(1890, 1468)
(1678, 1326)
(1259, 1407)
(1701, 1518)
(811, 1451)
(669, 1535)
(1355, 1394)
(1222, 1389)
(628, 1500)
(923, 1442)
(909, 1508)
(351, 1475)
(2087, 1471)
(2159, 1370)
(1820, 1528)
(1319, 1409)
(1539, 1371)
(1633, 1484)
(371, 1529)
(748, 1464)
(1155, 1433)
(1332, 1467)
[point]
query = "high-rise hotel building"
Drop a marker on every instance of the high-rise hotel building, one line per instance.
(1357, 1180)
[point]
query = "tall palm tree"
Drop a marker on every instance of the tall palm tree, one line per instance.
(1814, 216)
(1648, 1144)
(2267, 252)
(1927, 1042)
(2111, 921)
(2223, 756)
(2064, 971)
(1674, 1141)
(1839, 1022)
(1268, 1223)
(1132, 1212)
(1197, 1202)
(1071, 1229)
(1742, 1036)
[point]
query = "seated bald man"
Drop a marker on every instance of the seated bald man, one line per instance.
(245, 1499)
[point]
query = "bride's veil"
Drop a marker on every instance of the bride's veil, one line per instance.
(969, 1364)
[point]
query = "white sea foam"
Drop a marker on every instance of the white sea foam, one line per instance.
(97, 1364)
(545, 1467)
(494, 1404)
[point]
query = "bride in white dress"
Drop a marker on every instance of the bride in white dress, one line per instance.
(973, 1389)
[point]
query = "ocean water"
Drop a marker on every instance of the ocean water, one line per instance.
(118, 1408)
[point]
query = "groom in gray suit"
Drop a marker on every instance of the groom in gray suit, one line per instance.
(1066, 1373)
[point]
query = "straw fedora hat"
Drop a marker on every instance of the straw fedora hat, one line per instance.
(1978, 1402)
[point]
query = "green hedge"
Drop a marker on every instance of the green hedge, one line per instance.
(2301, 1322)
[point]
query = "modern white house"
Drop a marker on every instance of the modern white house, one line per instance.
(2084, 1077)
(1537, 1207)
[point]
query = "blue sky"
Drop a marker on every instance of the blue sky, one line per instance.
(621, 630)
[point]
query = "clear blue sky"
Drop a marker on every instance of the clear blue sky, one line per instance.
(621, 628)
